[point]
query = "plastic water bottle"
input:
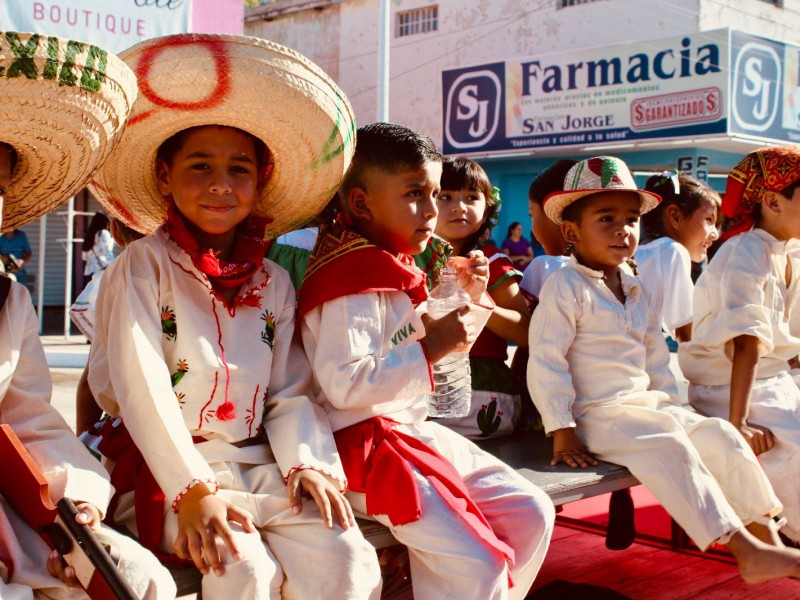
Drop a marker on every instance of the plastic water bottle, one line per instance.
(452, 393)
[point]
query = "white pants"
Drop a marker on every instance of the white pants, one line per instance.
(24, 554)
(290, 556)
(447, 560)
(700, 469)
(774, 404)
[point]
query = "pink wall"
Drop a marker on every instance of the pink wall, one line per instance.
(218, 16)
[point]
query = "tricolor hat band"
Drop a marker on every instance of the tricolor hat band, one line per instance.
(261, 87)
(63, 104)
(592, 176)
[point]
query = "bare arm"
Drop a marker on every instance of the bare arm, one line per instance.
(510, 317)
(743, 372)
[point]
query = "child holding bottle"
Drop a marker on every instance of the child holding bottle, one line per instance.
(745, 331)
(680, 230)
(598, 373)
(194, 347)
(473, 526)
(468, 206)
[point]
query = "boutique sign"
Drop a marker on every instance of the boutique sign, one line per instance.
(708, 83)
(111, 24)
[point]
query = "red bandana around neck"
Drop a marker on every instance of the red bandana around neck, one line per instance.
(247, 254)
(344, 262)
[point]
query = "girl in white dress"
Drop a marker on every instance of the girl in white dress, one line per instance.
(678, 232)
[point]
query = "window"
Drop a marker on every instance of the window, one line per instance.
(566, 3)
(420, 20)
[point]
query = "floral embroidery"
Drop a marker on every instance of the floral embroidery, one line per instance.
(268, 335)
(181, 398)
(168, 326)
(183, 368)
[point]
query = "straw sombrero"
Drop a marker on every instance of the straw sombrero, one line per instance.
(256, 85)
(62, 105)
(599, 174)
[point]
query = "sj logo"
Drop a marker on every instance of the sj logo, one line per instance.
(756, 79)
(472, 110)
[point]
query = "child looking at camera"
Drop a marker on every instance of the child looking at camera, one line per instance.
(598, 373)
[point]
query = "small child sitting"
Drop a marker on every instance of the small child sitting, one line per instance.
(468, 205)
(194, 346)
(599, 375)
(471, 523)
(679, 231)
(746, 328)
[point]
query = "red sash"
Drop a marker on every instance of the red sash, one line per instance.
(378, 462)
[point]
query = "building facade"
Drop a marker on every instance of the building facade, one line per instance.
(661, 83)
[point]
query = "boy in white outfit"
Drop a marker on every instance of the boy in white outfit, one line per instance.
(474, 527)
(746, 330)
(194, 344)
(81, 118)
(625, 409)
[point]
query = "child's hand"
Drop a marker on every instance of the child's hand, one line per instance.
(760, 438)
(568, 448)
(472, 273)
(202, 517)
(325, 494)
(88, 514)
(453, 332)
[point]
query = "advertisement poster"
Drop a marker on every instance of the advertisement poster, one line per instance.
(673, 87)
(111, 24)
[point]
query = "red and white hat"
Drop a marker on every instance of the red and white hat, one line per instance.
(592, 176)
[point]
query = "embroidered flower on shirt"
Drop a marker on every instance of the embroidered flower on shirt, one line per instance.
(168, 326)
(183, 368)
(181, 398)
(268, 335)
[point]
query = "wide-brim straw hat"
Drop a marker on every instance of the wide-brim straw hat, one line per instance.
(63, 105)
(594, 175)
(255, 85)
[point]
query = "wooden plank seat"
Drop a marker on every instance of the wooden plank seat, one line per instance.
(527, 452)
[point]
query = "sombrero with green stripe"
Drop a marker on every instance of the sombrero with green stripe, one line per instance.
(256, 85)
(63, 104)
(592, 176)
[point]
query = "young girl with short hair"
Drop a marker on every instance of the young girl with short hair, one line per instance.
(468, 207)
(746, 329)
(194, 345)
(598, 373)
(677, 232)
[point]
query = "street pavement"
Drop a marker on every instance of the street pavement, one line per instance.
(66, 358)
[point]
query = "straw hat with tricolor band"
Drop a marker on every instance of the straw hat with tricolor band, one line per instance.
(63, 104)
(261, 87)
(592, 176)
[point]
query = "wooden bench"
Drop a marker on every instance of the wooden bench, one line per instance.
(530, 454)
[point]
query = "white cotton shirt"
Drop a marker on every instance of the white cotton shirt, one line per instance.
(539, 269)
(665, 270)
(588, 349)
(743, 292)
(25, 391)
(157, 317)
(366, 357)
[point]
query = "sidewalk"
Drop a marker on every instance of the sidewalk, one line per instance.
(71, 352)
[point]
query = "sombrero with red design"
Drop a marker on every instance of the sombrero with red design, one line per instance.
(594, 175)
(63, 105)
(263, 88)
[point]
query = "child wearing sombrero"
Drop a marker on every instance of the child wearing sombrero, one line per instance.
(599, 375)
(746, 320)
(233, 141)
(53, 135)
